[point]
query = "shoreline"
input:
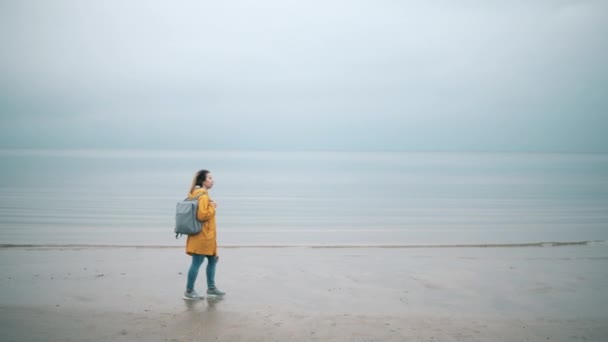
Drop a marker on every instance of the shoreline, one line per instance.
(396, 246)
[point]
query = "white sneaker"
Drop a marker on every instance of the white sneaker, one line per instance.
(192, 295)
(215, 292)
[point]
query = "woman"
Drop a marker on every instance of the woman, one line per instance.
(204, 244)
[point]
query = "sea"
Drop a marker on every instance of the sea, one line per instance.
(305, 198)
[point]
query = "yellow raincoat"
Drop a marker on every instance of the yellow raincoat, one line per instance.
(204, 242)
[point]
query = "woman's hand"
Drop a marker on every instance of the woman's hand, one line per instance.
(213, 204)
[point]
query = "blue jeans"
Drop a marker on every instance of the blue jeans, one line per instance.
(197, 261)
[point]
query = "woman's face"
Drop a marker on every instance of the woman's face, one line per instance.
(208, 183)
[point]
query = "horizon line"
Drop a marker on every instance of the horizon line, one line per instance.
(303, 150)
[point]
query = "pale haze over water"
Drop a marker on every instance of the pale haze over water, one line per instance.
(305, 198)
(517, 76)
(324, 122)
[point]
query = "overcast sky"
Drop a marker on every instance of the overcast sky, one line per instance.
(282, 74)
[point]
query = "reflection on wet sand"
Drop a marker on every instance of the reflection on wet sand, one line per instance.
(195, 305)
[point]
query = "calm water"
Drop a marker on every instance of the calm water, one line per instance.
(305, 198)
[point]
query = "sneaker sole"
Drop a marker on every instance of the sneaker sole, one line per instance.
(193, 298)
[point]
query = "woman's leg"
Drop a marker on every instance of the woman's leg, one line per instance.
(197, 260)
(211, 262)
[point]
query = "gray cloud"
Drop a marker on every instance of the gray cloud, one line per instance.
(360, 75)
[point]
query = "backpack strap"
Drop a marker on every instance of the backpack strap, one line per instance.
(195, 197)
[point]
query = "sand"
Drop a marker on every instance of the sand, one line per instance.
(307, 294)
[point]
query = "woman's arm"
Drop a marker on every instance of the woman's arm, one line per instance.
(205, 209)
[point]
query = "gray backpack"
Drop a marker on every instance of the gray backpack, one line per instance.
(186, 222)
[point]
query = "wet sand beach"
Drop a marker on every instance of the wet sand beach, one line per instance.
(307, 294)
